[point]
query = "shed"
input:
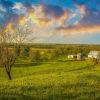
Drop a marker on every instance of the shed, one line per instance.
(79, 56)
(72, 56)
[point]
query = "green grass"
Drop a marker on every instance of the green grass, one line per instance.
(65, 80)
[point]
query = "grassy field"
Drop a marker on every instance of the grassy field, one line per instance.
(63, 80)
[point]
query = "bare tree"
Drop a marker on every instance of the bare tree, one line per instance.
(8, 53)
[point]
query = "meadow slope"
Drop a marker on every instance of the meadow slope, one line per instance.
(66, 80)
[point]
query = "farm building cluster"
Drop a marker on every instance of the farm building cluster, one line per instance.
(79, 56)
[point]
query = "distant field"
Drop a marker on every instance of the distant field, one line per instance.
(63, 80)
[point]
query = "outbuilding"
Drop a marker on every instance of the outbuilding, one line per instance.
(79, 56)
(94, 54)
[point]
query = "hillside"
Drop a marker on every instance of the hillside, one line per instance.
(69, 80)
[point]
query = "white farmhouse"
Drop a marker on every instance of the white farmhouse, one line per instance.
(72, 56)
(94, 54)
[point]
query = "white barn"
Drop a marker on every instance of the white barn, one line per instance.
(94, 54)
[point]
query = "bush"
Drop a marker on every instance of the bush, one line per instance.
(25, 51)
(36, 57)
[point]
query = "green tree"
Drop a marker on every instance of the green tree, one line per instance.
(36, 57)
(25, 51)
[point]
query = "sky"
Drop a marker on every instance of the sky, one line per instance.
(54, 21)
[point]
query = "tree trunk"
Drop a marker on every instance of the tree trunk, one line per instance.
(9, 75)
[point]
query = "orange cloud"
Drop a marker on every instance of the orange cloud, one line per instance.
(9, 27)
(21, 20)
(79, 30)
(63, 18)
(38, 17)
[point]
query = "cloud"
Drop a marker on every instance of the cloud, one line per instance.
(40, 23)
(9, 28)
(40, 16)
(90, 11)
(91, 17)
(18, 6)
(2, 9)
(82, 9)
(7, 4)
(78, 30)
(51, 20)
(53, 11)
